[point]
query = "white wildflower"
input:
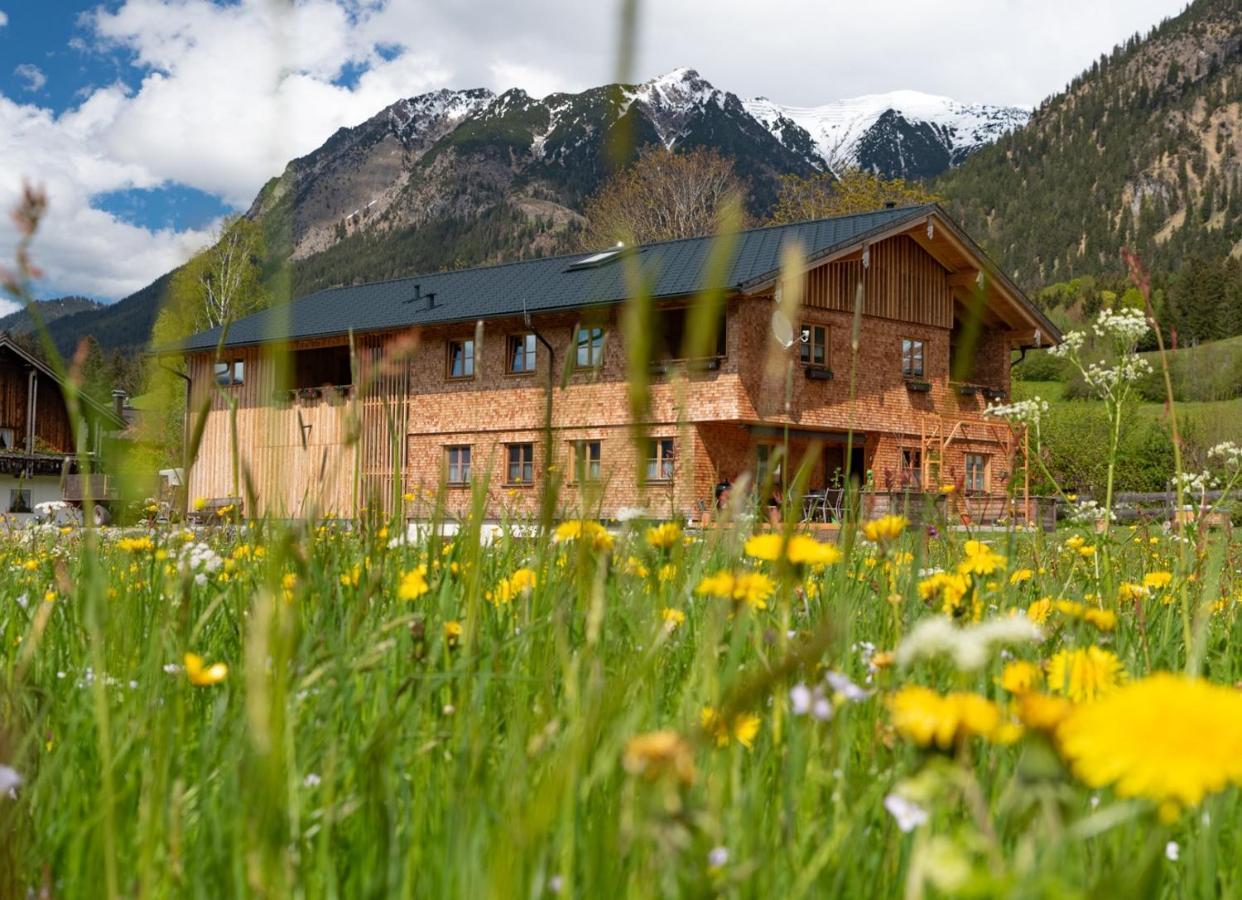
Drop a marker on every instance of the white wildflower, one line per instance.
(1172, 851)
(1229, 453)
(10, 781)
(1088, 511)
(800, 699)
(969, 647)
(1020, 412)
(1125, 325)
(909, 815)
(311, 780)
(718, 857)
(842, 685)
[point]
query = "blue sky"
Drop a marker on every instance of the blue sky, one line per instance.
(149, 120)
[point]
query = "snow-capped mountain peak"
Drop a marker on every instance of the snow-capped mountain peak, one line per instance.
(845, 131)
(670, 99)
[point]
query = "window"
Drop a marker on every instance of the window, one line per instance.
(319, 367)
(19, 501)
(912, 467)
(976, 472)
(461, 359)
(660, 462)
(521, 353)
(458, 465)
(586, 460)
(590, 346)
(8, 438)
(911, 358)
(814, 349)
(521, 468)
(230, 372)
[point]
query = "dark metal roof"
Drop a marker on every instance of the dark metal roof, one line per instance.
(670, 269)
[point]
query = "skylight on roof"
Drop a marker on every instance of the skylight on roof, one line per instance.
(595, 260)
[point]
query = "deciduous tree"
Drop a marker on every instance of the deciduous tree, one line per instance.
(855, 191)
(663, 195)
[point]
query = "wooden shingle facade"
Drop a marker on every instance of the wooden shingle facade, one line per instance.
(424, 386)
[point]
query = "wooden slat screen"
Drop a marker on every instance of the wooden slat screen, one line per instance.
(901, 282)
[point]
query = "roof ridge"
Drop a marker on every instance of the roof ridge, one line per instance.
(580, 253)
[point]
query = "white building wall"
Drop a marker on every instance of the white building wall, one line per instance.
(43, 488)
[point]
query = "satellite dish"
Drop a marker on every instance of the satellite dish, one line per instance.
(782, 329)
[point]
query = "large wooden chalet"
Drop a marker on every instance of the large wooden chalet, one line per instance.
(37, 446)
(451, 372)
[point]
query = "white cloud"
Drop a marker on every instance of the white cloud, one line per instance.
(4, 18)
(32, 75)
(82, 249)
(230, 92)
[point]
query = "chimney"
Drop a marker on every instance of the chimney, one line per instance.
(118, 403)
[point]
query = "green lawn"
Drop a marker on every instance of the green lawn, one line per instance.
(612, 716)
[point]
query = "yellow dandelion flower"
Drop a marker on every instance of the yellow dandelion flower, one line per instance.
(521, 582)
(634, 566)
(766, 547)
(1167, 738)
(1039, 611)
(202, 675)
(980, 559)
(751, 588)
(664, 536)
(744, 728)
(1084, 675)
(1103, 619)
(1128, 592)
(452, 632)
(590, 532)
(885, 528)
(804, 550)
(1018, 576)
(1157, 581)
(658, 754)
(413, 584)
(1042, 712)
(673, 618)
(921, 715)
(1073, 542)
(949, 588)
(1020, 677)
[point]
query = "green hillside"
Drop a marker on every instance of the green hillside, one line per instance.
(1140, 151)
